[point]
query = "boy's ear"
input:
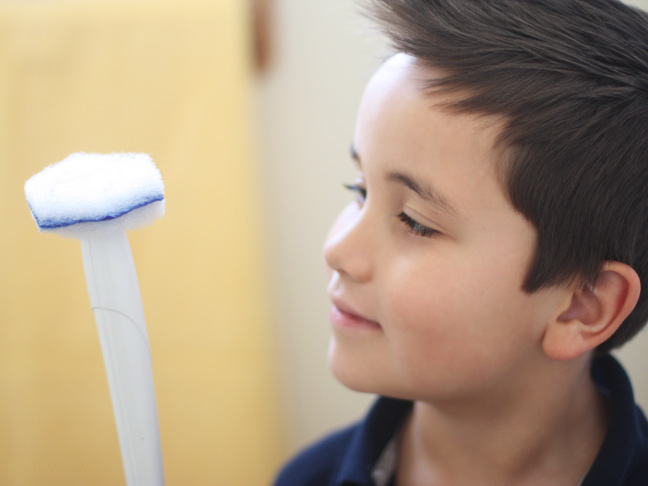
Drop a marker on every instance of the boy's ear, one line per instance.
(593, 314)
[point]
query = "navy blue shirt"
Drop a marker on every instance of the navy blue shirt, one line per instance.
(348, 457)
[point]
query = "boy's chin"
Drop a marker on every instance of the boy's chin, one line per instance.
(355, 375)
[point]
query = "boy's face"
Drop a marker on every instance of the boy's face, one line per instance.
(433, 259)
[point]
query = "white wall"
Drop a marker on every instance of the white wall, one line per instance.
(307, 105)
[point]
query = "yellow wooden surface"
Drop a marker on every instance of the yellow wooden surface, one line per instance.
(171, 79)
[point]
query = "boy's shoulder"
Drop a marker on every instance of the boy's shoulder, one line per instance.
(623, 458)
(318, 464)
(348, 454)
(639, 476)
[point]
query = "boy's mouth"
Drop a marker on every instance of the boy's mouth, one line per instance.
(344, 316)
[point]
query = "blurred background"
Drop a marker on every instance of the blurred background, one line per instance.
(248, 108)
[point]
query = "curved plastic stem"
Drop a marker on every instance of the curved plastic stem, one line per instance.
(117, 305)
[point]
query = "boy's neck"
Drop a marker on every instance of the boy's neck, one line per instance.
(547, 431)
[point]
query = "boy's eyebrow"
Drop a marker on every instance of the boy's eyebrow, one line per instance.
(424, 191)
(421, 188)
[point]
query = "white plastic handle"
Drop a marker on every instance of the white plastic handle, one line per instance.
(117, 305)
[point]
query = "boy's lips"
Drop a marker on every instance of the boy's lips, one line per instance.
(343, 315)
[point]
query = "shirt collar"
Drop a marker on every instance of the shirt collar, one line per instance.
(370, 440)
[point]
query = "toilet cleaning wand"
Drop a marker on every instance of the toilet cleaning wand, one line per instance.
(96, 198)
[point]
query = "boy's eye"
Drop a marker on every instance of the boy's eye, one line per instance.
(417, 228)
(359, 190)
(414, 226)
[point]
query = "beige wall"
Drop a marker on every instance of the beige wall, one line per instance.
(307, 113)
(307, 106)
(635, 354)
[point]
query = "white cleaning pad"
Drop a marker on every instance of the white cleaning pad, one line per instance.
(95, 195)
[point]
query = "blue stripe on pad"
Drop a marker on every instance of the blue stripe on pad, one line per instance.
(52, 223)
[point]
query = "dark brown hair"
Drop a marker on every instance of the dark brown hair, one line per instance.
(570, 79)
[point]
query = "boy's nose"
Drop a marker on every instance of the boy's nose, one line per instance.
(348, 246)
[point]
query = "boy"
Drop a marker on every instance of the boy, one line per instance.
(495, 252)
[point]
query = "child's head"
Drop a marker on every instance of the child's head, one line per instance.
(427, 264)
(569, 79)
